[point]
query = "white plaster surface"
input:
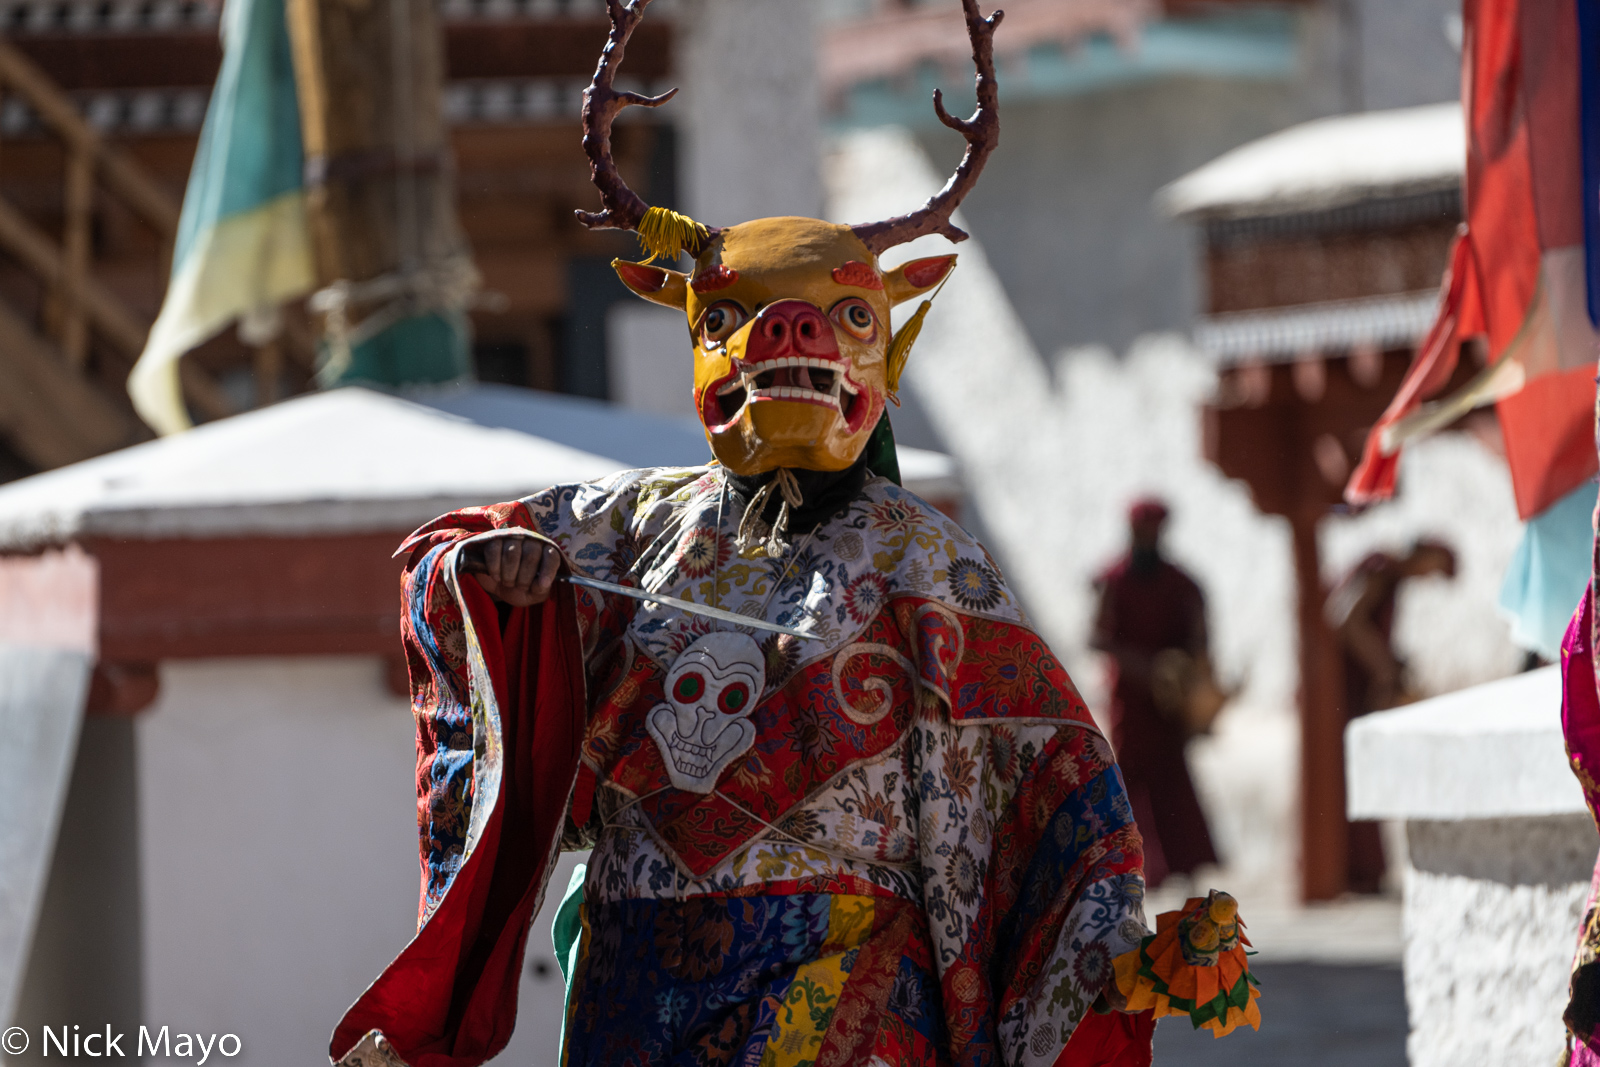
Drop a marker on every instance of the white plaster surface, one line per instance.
(1492, 908)
(650, 361)
(42, 692)
(278, 847)
(1410, 52)
(1490, 751)
(750, 109)
(279, 856)
(537, 1039)
(1329, 161)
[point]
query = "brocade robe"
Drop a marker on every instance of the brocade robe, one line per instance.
(925, 856)
(1580, 725)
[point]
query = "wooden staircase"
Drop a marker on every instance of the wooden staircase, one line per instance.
(53, 410)
(90, 180)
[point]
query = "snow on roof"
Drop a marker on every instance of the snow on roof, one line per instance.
(358, 460)
(632, 438)
(1490, 751)
(346, 460)
(639, 438)
(1328, 162)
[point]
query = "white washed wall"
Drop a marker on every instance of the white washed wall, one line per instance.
(278, 847)
(1492, 910)
(750, 109)
(41, 708)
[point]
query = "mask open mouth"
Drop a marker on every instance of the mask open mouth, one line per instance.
(802, 379)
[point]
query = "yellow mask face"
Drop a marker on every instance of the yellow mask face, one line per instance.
(790, 320)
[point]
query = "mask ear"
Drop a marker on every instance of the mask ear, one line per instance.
(917, 277)
(658, 285)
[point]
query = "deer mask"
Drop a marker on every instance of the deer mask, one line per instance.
(790, 317)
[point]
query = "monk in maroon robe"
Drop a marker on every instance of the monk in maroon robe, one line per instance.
(1361, 611)
(1147, 606)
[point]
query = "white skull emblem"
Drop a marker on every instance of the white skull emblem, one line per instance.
(712, 689)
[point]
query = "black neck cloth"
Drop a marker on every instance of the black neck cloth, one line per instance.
(823, 494)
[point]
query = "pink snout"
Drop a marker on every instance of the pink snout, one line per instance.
(791, 328)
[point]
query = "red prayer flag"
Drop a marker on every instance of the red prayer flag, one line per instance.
(1509, 276)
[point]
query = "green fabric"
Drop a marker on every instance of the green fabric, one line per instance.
(569, 923)
(242, 243)
(426, 349)
(882, 459)
(250, 149)
(567, 932)
(1199, 1014)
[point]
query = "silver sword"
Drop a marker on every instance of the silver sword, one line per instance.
(693, 609)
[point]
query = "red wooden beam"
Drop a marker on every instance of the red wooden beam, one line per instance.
(132, 604)
(248, 596)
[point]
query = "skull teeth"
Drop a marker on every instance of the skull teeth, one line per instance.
(698, 751)
(690, 758)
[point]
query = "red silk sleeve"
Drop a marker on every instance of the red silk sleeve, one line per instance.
(450, 998)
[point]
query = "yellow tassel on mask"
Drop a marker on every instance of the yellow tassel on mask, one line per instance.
(900, 347)
(906, 336)
(667, 233)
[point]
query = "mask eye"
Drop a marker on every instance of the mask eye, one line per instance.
(720, 320)
(689, 687)
(734, 698)
(856, 318)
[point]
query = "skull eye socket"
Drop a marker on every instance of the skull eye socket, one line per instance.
(734, 698)
(856, 318)
(720, 320)
(689, 687)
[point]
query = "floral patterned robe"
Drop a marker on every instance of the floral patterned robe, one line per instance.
(926, 856)
(1580, 723)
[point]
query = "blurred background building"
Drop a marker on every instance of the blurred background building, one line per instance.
(1107, 101)
(1162, 296)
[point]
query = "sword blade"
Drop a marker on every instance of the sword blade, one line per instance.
(694, 609)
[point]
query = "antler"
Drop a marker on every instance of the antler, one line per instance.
(982, 132)
(624, 209)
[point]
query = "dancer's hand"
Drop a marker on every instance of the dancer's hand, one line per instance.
(519, 570)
